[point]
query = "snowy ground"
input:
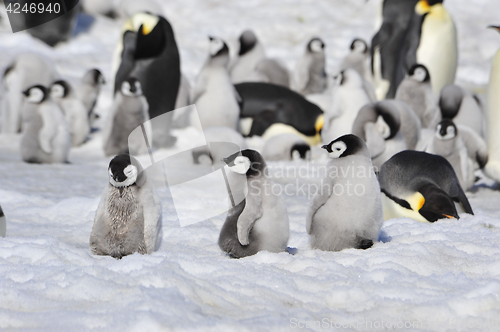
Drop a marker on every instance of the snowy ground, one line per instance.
(443, 276)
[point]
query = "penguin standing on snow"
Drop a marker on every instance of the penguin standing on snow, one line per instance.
(421, 186)
(129, 110)
(89, 89)
(334, 218)
(215, 97)
(260, 221)
(46, 137)
(310, 75)
(75, 112)
(149, 53)
(128, 218)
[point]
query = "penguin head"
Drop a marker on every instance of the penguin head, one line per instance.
(388, 120)
(450, 101)
(59, 89)
(131, 87)
(433, 203)
(496, 27)
(247, 40)
(346, 145)
(316, 45)
(419, 73)
(359, 46)
(94, 77)
(247, 162)
(425, 6)
(446, 130)
(124, 170)
(151, 38)
(300, 151)
(36, 94)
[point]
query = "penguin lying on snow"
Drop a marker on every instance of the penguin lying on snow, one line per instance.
(421, 186)
(260, 221)
(310, 75)
(348, 214)
(128, 218)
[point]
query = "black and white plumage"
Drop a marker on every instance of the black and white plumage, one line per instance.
(260, 221)
(335, 220)
(310, 76)
(128, 218)
(421, 186)
(46, 137)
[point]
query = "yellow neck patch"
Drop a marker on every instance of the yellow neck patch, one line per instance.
(416, 201)
(422, 7)
(320, 121)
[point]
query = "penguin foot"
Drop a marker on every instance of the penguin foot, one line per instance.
(364, 244)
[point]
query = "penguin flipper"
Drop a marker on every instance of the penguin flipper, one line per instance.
(318, 201)
(251, 212)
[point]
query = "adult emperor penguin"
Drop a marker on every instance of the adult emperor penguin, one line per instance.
(358, 59)
(334, 219)
(3, 223)
(421, 186)
(129, 110)
(273, 109)
(260, 221)
(416, 91)
(252, 65)
(286, 147)
(89, 89)
(459, 105)
(27, 69)
(215, 97)
(437, 47)
(149, 53)
(492, 168)
(128, 218)
(310, 75)
(75, 112)
(46, 137)
(222, 141)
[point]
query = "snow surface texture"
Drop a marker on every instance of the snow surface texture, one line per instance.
(443, 276)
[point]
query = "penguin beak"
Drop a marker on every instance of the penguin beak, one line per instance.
(210, 38)
(496, 27)
(327, 148)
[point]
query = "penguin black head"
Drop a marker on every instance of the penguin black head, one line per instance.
(124, 170)
(248, 40)
(436, 204)
(299, 151)
(36, 94)
(316, 45)
(217, 47)
(446, 130)
(60, 89)
(346, 145)
(248, 162)
(131, 87)
(151, 39)
(419, 73)
(388, 121)
(359, 46)
(450, 101)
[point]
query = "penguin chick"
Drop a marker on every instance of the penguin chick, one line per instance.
(46, 137)
(286, 147)
(214, 95)
(128, 218)
(88, 91)
(421, 186)
(358, 59)
(74, 111)
(334, 218)
(129, 110)
(260, 221)
(416, 91)
(310, 76)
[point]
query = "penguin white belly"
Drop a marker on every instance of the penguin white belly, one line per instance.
(492, 168)
(61, 142)
(78, 120)
(438, 49)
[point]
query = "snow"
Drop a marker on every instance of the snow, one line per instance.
(441, 277)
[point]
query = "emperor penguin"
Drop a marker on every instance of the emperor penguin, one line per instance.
(251, 65)
(416, 91)
(46, 137)
(215, 97)
(148, 51)
(286, 147)
(358, 59)
(310, 75)
(27, 69)
(129, 110)
(334, 219)
(213, 153)
(348, 96)
(437, 48)
(492, 168)
(421, 186)
(89, 89)
(260, 221)
(3, 223)
(75, 112)
(128, 217)
(269, 110)
(459, 105)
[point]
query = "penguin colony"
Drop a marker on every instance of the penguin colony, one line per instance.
(392, 109)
